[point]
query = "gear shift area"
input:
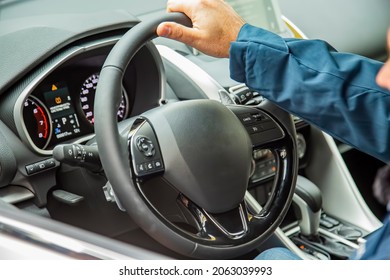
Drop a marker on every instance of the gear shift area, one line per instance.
(318, 234)
(308, 202)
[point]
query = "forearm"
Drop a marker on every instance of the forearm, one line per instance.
(334, 91)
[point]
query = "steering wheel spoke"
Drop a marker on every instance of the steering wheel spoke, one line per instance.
(221, 229)
(145, 154)
(262, 128)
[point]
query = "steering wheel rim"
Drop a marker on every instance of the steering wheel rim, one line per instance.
(122, 172)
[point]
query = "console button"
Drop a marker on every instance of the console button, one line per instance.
(326, 224)
(50, 162)
(30, 169)
(39, 166)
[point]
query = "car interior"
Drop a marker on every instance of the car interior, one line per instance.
(116, 144)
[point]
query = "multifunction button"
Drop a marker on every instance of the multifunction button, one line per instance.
(259, 125)
(145, 146)
(145, 152)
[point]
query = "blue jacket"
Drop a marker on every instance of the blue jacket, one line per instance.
(334, 91)
(377, 246)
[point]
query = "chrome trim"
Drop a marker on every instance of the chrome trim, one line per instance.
(203, 218)
(231, 235)
(203, 80)
(292, 231)
(54, 243)
(15, 194)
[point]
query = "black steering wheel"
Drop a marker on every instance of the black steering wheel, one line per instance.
(203, 150)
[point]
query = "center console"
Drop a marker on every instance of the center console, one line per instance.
(316, 233)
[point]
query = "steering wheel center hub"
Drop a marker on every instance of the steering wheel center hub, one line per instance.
(201, 142)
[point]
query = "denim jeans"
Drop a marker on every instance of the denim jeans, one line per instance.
(277, 254)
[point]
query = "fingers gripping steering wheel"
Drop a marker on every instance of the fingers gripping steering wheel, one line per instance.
(201, 148)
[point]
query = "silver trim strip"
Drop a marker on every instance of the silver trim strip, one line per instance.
(15, 194)
(203, 80)
(55, 242)
(231, 235)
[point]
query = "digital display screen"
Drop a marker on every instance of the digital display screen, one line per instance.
(64, 118)
(261, 13)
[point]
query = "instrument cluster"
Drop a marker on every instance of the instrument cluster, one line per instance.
(61, 107)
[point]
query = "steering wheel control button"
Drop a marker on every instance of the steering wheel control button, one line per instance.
(149, 167)
(145, 146)
(144, 150)
(158, 164)
(259, 116)
(140, 168)
(259, 125)
(247, 119)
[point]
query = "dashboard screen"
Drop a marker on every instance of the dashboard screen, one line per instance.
(261, 13)
(62, 112)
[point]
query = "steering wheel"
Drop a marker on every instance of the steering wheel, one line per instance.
(200, 148)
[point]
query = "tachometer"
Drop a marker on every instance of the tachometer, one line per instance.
(37, 121)
(87, 99)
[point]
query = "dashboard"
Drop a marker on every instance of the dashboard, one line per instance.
(58, 105)
(61, 107)
(52, 53)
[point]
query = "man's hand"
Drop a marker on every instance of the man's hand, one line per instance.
(383, 77)
(215, 25)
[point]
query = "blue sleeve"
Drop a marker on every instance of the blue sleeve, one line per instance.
(377, 246)
(334, 91)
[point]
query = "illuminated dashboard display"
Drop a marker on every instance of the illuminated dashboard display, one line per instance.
(62, 112)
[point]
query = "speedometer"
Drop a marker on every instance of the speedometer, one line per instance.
(87, 99)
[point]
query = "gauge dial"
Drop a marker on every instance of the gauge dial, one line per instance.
(87, 99)
(37, 122)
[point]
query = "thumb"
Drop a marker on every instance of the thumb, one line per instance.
(177, 32)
